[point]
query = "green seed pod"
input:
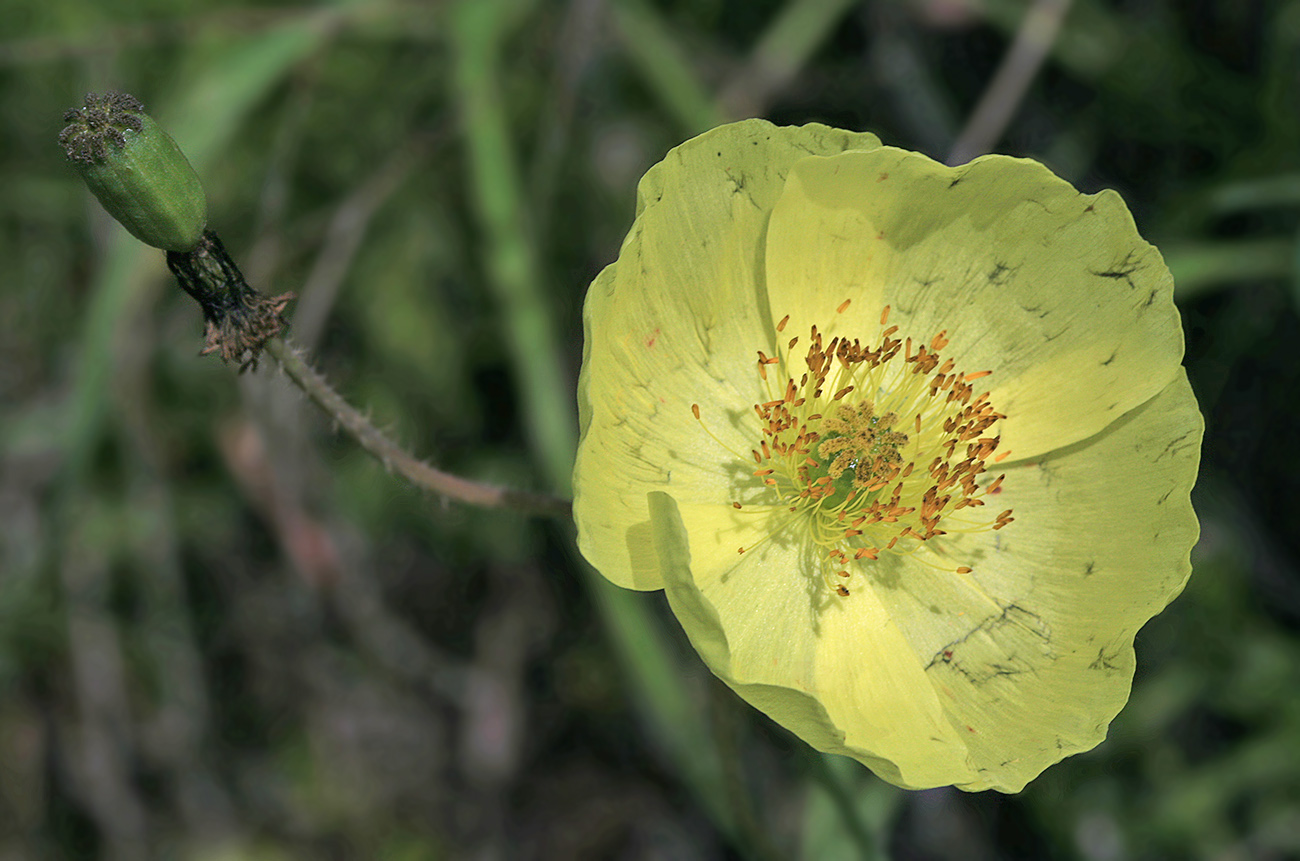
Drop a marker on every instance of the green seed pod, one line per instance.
(136, 170)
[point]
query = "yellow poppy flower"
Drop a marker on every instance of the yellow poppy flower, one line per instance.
(909, 447)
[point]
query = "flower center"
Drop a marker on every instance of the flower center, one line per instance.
(874, 449)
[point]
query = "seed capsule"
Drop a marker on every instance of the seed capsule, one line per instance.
(136, 170)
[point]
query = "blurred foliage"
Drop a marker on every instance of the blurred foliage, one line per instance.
(227, 634)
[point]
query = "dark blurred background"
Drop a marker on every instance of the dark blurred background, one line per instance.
(227, 634)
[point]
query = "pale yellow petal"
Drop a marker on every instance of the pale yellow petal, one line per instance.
(752, 615)
(873, 686)
(834, 670)
(1052, 291)
(1032, 652)
(676, 322)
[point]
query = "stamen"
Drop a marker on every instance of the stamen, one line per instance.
(842, 467)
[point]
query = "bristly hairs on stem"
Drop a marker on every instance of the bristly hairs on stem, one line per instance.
(397, 459)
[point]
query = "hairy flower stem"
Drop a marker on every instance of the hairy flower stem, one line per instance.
(241, 323)
(397, 459)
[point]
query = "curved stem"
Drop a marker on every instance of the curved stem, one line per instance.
(396, 458)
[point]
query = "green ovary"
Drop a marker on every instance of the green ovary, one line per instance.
(858, 449)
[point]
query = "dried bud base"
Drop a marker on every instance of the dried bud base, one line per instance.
(239, 320)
